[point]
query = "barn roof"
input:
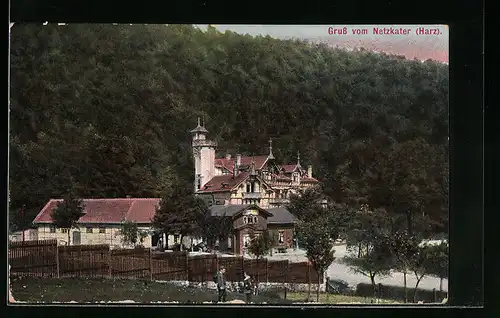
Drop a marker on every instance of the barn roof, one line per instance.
(112, 211)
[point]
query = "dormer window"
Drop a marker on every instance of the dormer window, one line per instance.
(250, 220)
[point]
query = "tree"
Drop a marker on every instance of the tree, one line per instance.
(368, 234)
(406, 255)
(180, 212)
(307, 204)
(374, 261)
(215, 227)
(317, 241)
(439, 261)
(68, 212)
(131, 235)
(421, 266)
(260, 245)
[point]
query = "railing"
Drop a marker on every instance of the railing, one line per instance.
(252, 195)
(204, 142)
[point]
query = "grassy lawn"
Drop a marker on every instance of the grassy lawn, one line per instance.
(325, 298)
(48, 290)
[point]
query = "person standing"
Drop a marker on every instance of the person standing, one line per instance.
(248, 288)
(221, 284)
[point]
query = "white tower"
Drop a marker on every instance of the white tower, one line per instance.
(204, 156)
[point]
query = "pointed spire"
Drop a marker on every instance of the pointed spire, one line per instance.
(298, 158)
(270, 156)
(235, 170)
(199, 128)
(252, 172)
(203, 121)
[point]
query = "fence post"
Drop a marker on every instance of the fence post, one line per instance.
(187, 265)
(434, 295)
(57, 260)
(110, 270)
(287, 270)
(150, 264)
(267, 271)
(242, 267)
(379, 290)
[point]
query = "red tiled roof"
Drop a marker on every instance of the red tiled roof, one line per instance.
(245, 161)
(289, 168)
(216, 183)
(139, 210)
(283, 178)
(307, 179)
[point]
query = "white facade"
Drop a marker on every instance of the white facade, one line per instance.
(204, 157)
(89, 235)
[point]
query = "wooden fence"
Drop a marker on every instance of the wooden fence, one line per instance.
(46, 258)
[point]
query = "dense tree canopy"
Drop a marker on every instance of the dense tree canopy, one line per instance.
(107, 109)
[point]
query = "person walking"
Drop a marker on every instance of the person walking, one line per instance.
(248, 288)
(221, 284)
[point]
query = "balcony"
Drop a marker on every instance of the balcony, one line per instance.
(252, 195)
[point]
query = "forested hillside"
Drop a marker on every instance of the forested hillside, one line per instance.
(107, 109)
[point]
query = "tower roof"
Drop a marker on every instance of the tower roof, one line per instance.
(199, 128)
(270, 156)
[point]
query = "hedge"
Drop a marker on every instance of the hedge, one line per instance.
(397, 293)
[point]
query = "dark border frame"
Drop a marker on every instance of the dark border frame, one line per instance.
(465, 19)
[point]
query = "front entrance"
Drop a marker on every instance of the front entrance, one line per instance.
(77, 238)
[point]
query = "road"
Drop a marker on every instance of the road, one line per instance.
(338, 270)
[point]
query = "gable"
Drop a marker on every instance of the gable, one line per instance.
(253, 210)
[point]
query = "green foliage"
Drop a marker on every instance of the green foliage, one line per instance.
(439, 256)
(317, 242)
(369, 240)
(68, 212)
(112, 107)
(307, 204)
(261, 244)
(215, 228)
(180, 212)
(131, 234)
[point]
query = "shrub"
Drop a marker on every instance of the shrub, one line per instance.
(397, 293)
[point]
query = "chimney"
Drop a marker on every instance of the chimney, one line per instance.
(235, 170)
(238, 160)
(310, 171)
(228, 156)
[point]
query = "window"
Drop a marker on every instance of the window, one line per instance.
(89, 230)
(249, 219)
(102, 230)
(246, 240)
(64, 230)
(281, 237)
(52, 229)
(248, 187)
(176, 239)
(254, 219)
(252, 187)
